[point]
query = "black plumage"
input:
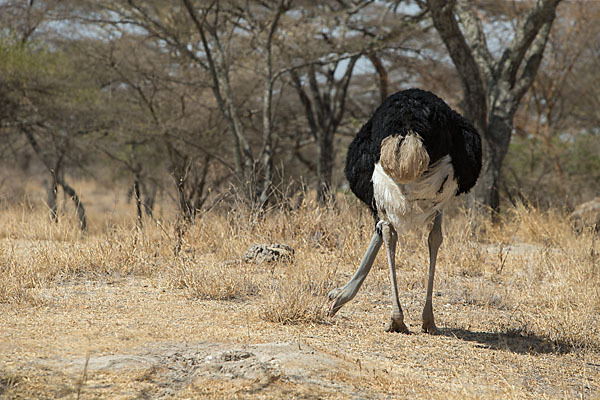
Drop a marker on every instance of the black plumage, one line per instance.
(443, 130)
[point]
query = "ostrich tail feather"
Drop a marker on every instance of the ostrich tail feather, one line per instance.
(404, 159)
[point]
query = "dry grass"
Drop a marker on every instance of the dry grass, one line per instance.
(516, 297)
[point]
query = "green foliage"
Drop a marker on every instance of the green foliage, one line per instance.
(563, 171)
(24, 62)
(45, 72)
(583, 157)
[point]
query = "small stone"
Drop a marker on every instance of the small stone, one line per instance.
(259, 253)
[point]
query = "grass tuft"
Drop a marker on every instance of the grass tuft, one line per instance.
(531, 265)
(295, 295)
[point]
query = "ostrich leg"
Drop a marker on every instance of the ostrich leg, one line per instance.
(434, 241)
(341, 296)
(390, 238)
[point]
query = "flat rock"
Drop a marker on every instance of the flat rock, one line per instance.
(175, 365)
(586, 216)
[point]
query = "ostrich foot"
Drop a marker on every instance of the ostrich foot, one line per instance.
(429, 327)
(396, 325)
(428, 321)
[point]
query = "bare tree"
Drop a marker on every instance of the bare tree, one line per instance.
(548, 97)
(44, 89)
(57, 178)
(324, 108)
(162, 130)
(213, 36)
(209, 22)
(492, 87)
(322, 70)
(557, 120)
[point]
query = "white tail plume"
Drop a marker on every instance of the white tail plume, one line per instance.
(404, 159)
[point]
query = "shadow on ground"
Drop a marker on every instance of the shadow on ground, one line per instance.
(513, 340)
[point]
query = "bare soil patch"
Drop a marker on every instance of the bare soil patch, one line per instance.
(116, 314)
(146, 341)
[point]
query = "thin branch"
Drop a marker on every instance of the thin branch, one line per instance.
(527, 31)
(304, 100)
(202, 149)
(384, 81)
(331, 60)
(446, 24)
(533, 61)
(474, 31)
(339, 100)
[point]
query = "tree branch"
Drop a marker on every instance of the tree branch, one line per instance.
(384, 81)
(442, 13)
(474, 31)
(533, 61)
(526, 33)
(339, 99)
(225, 100)
(305, 100)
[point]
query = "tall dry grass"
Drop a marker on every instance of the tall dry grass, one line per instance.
(530, 268)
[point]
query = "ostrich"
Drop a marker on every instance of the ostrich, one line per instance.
(407, 163)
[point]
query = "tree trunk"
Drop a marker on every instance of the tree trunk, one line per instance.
(52, 194)
(267, 153)
(384, 81)
(218, 67)
(325, 160)
(493, 88)
(138, 198)
(78, 204)
(149, 198)
(58, 179)
(497, 137)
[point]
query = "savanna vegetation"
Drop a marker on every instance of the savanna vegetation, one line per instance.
(146, 145)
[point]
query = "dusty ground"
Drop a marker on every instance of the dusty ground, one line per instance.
(115, 314)
(144, 341)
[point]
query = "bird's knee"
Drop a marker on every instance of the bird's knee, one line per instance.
(386, 230)
(379, 227)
